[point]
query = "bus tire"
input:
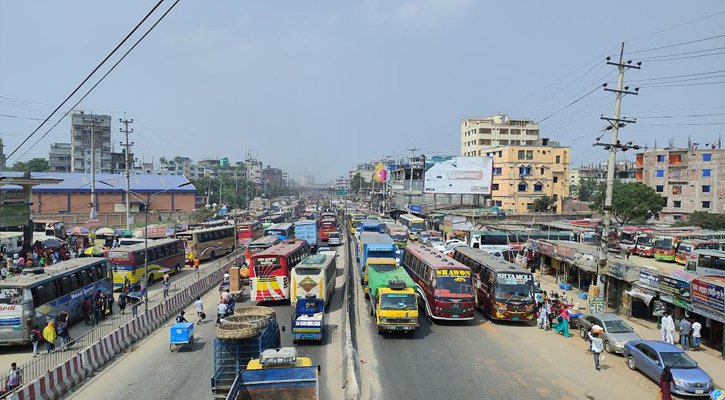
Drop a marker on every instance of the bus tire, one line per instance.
(149, 281)
(177, 268)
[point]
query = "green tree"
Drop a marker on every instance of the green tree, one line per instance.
(704, 219)
(586, 188)
(544, 204)
(33, 165)
(357, 182)
(631, 202)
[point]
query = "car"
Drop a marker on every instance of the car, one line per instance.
(616, 331)
(321, 249)
(455, 242)
(434, 241)
(651, 356)
(423, 237)
(334, 239)
(450, 249)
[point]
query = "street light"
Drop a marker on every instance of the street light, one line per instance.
(150, 198)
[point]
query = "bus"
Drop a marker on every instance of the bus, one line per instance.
(30, 300)
(493, 241)
(707, 264)
(11, 243)
(327, 215)
(258, 245)
(208, 243)
(164, 256)
(414, 224)
(248, 232)
(282, 231)
(269, 271)
(503, 290)
(666, 244)
(355, 221)
(216, 223)
(327, 226)
(444, 284)
(399, 233)
(315, 275)
(686, 247)
(628, 237)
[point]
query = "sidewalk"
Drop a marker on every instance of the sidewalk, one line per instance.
(708, 359)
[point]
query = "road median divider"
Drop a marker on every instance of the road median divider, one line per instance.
(350, 363)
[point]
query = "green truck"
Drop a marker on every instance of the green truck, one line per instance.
(393, 301)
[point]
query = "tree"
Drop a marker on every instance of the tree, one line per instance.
(586, 188)
(705, 220)
(33, 165)
(357, 182)
(631, 202)
(544, 204)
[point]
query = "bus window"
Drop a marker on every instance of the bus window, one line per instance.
(95, 274)
(44, 294)
(75, 281)
(85, 277)
(65, 286)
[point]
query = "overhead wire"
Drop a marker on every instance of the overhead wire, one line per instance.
(676, 44)
(677, 26)
(653, 58)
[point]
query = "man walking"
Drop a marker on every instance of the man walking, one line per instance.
(696, 327)
(685, 327)
(14, 378)
(544, 315)
(199, 306)
(668, 324)
(597, 347)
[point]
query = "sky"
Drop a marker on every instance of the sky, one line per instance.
(314, 87)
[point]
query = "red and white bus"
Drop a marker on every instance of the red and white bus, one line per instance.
(249, 231)
(259, 245)
(444, 284)
(164, 256)
(270, 269)
(327, 215)
(628, 237)
(327, 226)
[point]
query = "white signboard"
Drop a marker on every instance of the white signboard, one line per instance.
(458, 175)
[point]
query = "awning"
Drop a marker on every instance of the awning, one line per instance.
(640, 295)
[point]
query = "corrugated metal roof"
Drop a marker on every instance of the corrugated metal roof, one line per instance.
(82, 182)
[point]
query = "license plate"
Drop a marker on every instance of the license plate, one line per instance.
(399, 328)
(455, 316)
(699, 391)
(515, 318)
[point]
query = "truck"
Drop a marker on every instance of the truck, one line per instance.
(393, 300)
(307, 229)
(379, 264)
(308, 319)
(277, 374)
(374, 245)
(371, 225)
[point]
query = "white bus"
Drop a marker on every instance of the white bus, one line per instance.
(414, 224)
(315, 275)
(707, 263)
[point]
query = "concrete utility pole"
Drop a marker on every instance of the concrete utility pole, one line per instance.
(93, 169)
(614, 124)
(126, 131)
(410, 183)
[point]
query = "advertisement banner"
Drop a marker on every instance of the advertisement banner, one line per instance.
(674, 287)
(596, 305)
(381, 174)
(649, 279)
(12, 215)
(416, 209)
(708, 294)
(458, 175)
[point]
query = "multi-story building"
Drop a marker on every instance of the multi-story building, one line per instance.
(479, 134)
(272, 177)
(307, 180)
(521, 174)
(623, 171)
(342, 183)
(285, 179)
(688, 179)
(81, 126)
(254, 170)
(59, 157)
(118, 162)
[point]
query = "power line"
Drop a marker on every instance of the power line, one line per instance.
(682, 80)
(569, 105)
(689, 124)
(681, 110)
(676, 26)
(687, 57)
(83, 83)
(652, 58)
(677, 44)
(677, 76)
(685, 84)
(103, 77)
(683, 116)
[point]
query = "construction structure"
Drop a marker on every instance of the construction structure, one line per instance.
(479, 134)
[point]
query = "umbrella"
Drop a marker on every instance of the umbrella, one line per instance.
(78, 230)
(105, 231)
(93, 251)
(53, 243)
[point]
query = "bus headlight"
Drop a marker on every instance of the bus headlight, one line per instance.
(500, 306)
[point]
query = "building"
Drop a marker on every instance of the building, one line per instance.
(479, 134)
(272, 177)
(307, 180)
(342, 183)
(285, 179)
(624, 171)
(118, 162)
(688, 179)
(81, 126)
(254, 170)
(59, 157)
(521, 174)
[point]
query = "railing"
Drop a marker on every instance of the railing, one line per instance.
(45, 362)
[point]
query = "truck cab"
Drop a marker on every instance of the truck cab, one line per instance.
(379, 264)
(396, 308)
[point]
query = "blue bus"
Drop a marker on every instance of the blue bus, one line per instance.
(34, 299)
(282, 231)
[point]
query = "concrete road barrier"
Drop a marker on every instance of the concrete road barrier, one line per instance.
(350, 362)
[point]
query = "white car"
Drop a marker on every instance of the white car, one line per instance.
(423, 237)
(334, 239)
(434, 241)
(455, 243)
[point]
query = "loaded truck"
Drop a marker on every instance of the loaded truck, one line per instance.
(374, 245)
(307, 229)
(308, 319)
(277, 375)
(382, 264)
(393, 301)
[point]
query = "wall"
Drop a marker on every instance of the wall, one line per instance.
(80, 202)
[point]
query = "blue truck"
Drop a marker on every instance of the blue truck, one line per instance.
(307, 229)
(374, 245)
(308, 319)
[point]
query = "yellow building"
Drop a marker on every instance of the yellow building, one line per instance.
(521, 174)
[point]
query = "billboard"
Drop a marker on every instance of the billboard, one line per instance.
(458, 175)
(381, 173)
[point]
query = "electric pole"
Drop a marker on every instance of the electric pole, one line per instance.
(93, 169)
(410, 183)
(614, 124)
(126, 131)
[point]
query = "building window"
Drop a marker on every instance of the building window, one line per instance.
(529, 154)
(522, 154)
(497, 171)
(676, 190)
(524, 170)
(706, 157)
(522, 187)
(503, 142)
(660, 173)
(556, 179)
(705, 188)
(494, 186)
(705, 172)
(705, 204)
(542, 170)
(500, 154)
(538, 187)
(677, 216)
(659, 188)
(532, 132)
(498, 203)
(558, 159)
(661, 158)
(677, 204)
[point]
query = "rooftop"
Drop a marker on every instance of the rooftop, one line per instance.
(82, 182)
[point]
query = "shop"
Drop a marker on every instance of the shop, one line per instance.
(567, 262)
(708, 306)
(619, 278)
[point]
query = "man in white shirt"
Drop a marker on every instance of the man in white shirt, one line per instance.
(597, 346)
(696, 328)
(668, 324)
(221, 311)
(199, 306)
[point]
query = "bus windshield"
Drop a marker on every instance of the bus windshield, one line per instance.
(264, 266)
(381, 254)
(645, 240)
(417, 226)
(664, 244)
(276, 232)
(308, 271)
(453, 286)
(397, 301)
(514, 287)
(356, 224)
(382, 267)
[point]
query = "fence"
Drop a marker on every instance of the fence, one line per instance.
(52, 374)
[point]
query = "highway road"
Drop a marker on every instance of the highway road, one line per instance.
(150, 371)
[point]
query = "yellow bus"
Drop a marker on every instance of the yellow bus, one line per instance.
(355, 222)
(315, 275)
(209, 243)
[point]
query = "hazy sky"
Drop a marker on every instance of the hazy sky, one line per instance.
(315, 86)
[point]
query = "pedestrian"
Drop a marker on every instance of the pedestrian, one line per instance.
(180, 317)
(669, 327)
(199, 306)
(221, 311)
(122, 301)
(685, 328)
(191, 259)
(544, 316)
(35, 337)
(134, 307)
(196, 264)
(49, 334)
(14, 378)
(597, 346)
(63, 334)
(586, 336)
(96, 309)
(111, 300)
(115, 242)
(166, 285)
(696, 327)
(87, 309)
(562, 326)
(665, 382)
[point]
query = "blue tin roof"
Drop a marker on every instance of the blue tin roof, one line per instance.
(82, 182)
